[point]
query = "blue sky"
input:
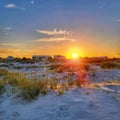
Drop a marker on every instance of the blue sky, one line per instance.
(90, 27)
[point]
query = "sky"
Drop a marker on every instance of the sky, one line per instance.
(50, 27)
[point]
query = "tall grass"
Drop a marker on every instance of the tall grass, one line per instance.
(3, 72)
(53, 83)
(1, 87)
(31, 88)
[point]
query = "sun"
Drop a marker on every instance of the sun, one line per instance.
(74, 55)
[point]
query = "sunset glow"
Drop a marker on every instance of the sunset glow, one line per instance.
(74, 55)
(87, 28)
(59, 59)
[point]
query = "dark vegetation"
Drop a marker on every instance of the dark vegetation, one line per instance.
(31, 88)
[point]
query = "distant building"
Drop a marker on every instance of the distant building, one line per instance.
(9, 58)
(1, 59)
(59, 58)
(41, 57)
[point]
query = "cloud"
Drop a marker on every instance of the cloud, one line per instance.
(2, 50)
(13, 6)
(11, 45)
(8, 28)
(32, 2)
(10, 5)
(57, 35)
(100, 6)
(54, 32)
(118, 20)
(58, 39)
(8, 44)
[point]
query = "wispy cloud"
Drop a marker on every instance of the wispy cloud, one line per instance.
(10, 6)
(32, 2)
(7, 44)
(100, 6)
(3, 50)
(58, 39)
(13, 6)
(11, 45)
(118, 20)
(54, 32)
(55, 35)
(8, 28)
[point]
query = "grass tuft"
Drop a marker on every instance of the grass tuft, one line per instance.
(2, 89)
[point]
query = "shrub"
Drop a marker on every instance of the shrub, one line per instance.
(117, 96)
(110, 65)
(59, 70)
(54, 66)
(118, 81)
(70, 81)
(86, 67)
(43, 84)
(53, 83)
(3, 72)
(96, 86)
(31, 89)
(60, 91)
(1, 88)
(64, 86)
(14, 78)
